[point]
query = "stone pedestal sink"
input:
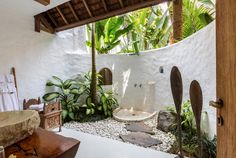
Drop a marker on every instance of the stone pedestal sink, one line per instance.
(17, 125)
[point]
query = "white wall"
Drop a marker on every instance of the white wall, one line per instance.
(195, 57)
(38, 56)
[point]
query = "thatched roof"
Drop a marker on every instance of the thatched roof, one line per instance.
(75, 13)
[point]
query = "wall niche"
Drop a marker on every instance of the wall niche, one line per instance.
(106, 76)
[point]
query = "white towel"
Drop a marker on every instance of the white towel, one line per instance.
(2, 78)
(11, 87)
(10, 78)
(38, 107)
(3, 88)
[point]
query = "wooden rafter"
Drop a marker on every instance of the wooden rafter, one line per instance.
(87, 8)
(75, 16)
(52, 19)
(121, 3)
(73, 11)
(111, 13)
(43, 2)
(42, 24)
(47, 24)
(61, 14)
(104, 5)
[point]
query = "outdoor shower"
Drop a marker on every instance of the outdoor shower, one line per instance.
(142, 107)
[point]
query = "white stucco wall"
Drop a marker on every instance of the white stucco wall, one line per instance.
(195, 57)
(38, 56)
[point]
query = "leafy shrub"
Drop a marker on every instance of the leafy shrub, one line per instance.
(74, 96)
(67, 93)
(189, 135)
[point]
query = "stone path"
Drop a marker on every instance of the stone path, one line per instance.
(112, 129)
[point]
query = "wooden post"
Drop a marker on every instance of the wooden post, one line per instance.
(13, 72)
(37, 23)
(226, 77)
(177, 20)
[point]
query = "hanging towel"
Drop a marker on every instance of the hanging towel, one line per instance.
(10, 78)
(2, 90)
(3, 93)
(13, 95)
(2, 78)
(9, 101)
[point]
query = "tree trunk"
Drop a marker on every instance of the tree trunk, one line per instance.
(93, 85)
(177, 20)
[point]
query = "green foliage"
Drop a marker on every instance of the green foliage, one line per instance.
(74, 96)
(106, 99)
(67, 93)
(108, 33)
(209, 147)
(189, 133)
(151, 29)
(196, 15)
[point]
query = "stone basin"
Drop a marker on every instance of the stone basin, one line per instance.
(17, 125)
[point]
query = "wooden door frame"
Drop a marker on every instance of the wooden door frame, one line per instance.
(226, 76)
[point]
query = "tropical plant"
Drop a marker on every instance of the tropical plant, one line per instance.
(106, 99)
(74, 96)
(189, 133)
(108, 33)
(67, 93)
(196, 15)
(151, 29)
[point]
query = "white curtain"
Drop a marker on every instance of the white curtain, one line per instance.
(8, 94)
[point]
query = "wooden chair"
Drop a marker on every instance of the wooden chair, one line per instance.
(27, 103)
(50, 117)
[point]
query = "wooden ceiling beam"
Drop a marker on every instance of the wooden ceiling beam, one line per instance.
(52, 19)
(37, 23)
(45, 29)
(87, 8)
(121, 3)
(47, 24)
(104, 5)
(61, 14)
(42, 24)
(43, 2)
(140, 5)
(73, 11)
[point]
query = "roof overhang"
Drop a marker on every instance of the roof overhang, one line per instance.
(75, 13)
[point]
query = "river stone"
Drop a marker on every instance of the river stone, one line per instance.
(141, 139)
(139, 127)
(166, 120)
(17, 125)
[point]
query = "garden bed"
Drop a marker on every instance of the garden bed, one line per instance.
(111, 128)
